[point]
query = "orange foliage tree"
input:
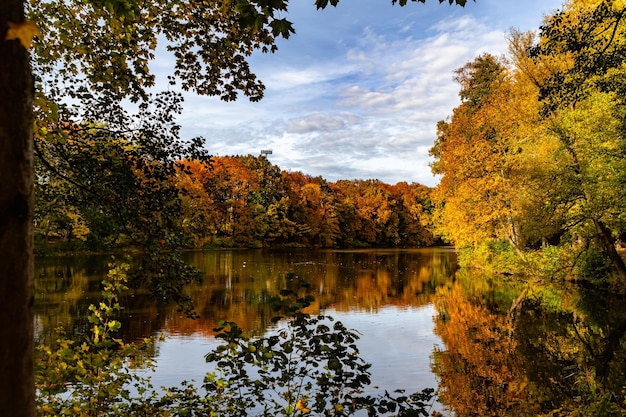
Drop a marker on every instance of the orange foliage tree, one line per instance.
(246, 201)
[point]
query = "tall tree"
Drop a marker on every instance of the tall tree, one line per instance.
(415, 211)
(17, 389)
(474, 153)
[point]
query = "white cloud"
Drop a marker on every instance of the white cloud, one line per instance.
(315, 122)
(356, 96)
(354, 99)
(288, 78)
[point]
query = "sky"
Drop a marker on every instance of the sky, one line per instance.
(357, 92)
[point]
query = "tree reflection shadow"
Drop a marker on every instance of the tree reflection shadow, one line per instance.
(540, 349)
(237, 284)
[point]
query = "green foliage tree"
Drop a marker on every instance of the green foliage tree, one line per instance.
(120, 174)
(584, 108)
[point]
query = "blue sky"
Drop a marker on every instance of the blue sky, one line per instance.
(358, 90)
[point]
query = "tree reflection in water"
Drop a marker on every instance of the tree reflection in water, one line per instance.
(237, 283)
(525, 350)
(537, 350)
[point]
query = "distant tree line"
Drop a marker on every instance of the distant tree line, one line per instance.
(229, 201)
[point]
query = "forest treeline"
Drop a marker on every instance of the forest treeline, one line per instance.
(247, 201)
(533, 160)
(226, 201)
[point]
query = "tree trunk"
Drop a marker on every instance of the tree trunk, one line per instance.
(608, 247)
(17, 389)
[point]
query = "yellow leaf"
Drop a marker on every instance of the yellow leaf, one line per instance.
(24, 32)
(96, 333)
(300, 404)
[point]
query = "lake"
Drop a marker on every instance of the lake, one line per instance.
(490, 345)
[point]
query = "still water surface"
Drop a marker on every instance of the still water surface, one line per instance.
(491, 345)
(386, 295)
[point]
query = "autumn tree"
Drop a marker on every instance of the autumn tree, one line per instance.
(197, 206)
(414, 214)
(532, 155)
(245, 201)
(372, 213)
(584, 108)
(476, 154)
(313, 209)
(235, 184)
(359, 209)
(238, 192)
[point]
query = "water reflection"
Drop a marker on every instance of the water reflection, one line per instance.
(384, 294)
(64, 288)
(496, 349)
(539, 349)
(237, 283)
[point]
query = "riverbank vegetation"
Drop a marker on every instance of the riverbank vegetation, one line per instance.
(532, 161)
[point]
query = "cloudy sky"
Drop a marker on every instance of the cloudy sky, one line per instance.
(358, 90)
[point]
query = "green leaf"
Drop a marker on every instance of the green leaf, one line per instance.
(282, 27)
(114, 325)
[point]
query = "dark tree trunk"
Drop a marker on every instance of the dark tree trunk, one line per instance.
(17, 390)
(608, 247)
